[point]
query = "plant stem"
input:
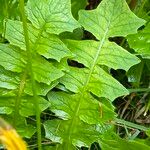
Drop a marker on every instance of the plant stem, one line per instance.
(29, 55)
(130, 124)
(139, 90)
(18, 98)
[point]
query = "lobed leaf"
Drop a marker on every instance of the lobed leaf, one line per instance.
(101, 84)
(54, 16)
(111, 18)
(86, 85)
(44, 71)
(111, 55)
(47, 45)
(84, 109)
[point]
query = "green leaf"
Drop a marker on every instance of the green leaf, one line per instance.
(26, 130)
(23, 128)
(47, 45)
(80, 108)
(27, 107)
(140, 42)
(81, 136)
(116, 143)
(51, 130)
(63, 105)
(82, 101)
(44, 71)
(8, 9)
(5, 110)
(111, 18)
(9, 83)
(42, 88)
(77, 34)
(2, 15)
(8, 80)
(76, 5)
(17, 59)
(52, 16)
(111, 55)
(135, 73)
(101, 83)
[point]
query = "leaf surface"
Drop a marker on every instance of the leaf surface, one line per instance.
(81, 136)
(52, 15)
(76, 5)
(47, 45)
(111, 55)
(114, 142)
(111, 18)
(101, 83)
(89, 83)
(64, 104)
(27, 107)
(8, 80)
(140, 42)
(44, 71)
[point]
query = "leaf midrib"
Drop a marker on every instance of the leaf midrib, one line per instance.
(77, 108)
